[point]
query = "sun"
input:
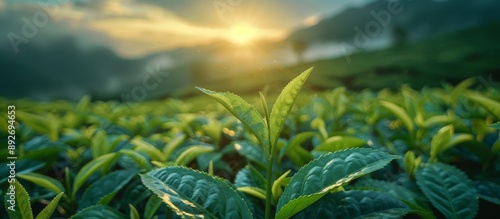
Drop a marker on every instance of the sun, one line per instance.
(243, 34)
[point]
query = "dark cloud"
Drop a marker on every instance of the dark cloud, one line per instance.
(60, 69)
(57, 62)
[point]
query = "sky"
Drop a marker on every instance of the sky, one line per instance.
(64, 49)
(133, 28)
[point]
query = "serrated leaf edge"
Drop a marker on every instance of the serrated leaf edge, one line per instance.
(325, 190)
(201, 172)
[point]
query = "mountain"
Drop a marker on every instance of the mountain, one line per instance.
(61, 69)
(416, 19)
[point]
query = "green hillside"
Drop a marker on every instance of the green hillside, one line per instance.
(452, 58)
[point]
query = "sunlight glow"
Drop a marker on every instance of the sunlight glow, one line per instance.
(311, 20)
(243, 34)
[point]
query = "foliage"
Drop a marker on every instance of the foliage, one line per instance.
(334, 154)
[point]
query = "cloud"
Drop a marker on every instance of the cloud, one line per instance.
(135, 28)
(162, 32)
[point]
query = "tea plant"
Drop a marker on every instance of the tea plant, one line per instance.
(332, 154)
(200, 195)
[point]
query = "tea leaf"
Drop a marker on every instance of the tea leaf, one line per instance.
(327, 173)
(152, 206)
(411, 163)
(83, 103)
(245, 112)
(263, 103)
(90, 168)
(448, 189)
(440, 141)
(98, 212)
(495, 126)
(173, 144)
(22, 207)
(138, 158)
(50, 208)
(111, 183)
(256, 192)
(149, 149)
(402, 193)
(250, 177)
(355, 204)
(337, 143)
(295, 152)
(437, 120)
(43, 181)
(191, 153)
(282, 181)
(401, 114)
(99, 143)
(134, 214)
(284, 103)
(42, 124)
(459, 89)
(488, 191)
(194, 194)
(250, 151)
(491, 105)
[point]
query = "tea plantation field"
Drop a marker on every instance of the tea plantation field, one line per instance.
(429, 153)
